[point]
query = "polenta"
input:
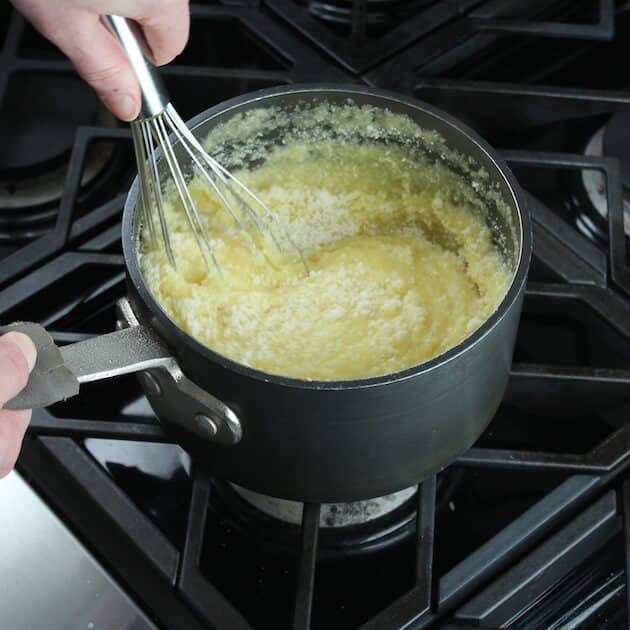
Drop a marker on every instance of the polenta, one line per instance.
(400, 265)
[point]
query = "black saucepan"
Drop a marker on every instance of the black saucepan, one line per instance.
(308, 440)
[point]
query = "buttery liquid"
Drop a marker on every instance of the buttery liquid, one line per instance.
(399, 271)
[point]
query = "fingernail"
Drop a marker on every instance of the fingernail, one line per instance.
(122, 105)
(24, 343)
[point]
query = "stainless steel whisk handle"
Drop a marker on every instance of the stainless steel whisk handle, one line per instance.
(154, 96)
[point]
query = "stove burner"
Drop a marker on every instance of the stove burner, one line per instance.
(38, 137)
(594, 182)
(39, 131)
(332, 514)
(351, 535)
(281, 534)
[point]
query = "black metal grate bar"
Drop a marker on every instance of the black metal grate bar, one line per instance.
(562, 248)
(104, 240)
(358, 54)
(425, 533)
(43, 248)
(103, 215)
(607, 456)
(207, 600)
(117, 532)
(409, 608)
(44, 423)
(495, 555)
(530, 460)
(618, 254)
(603, 29)
(626, 528)
(94, 481)
(517, 104)
(306, 570)
(311, 66)
(440, 51)
(541, 569)
(605, 302)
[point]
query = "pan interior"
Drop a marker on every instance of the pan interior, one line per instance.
(335, 133)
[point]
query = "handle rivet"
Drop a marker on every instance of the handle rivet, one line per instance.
(206, 425)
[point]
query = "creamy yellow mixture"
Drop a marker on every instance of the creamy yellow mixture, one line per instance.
(398, 270)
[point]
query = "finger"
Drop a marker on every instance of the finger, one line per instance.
(17, 358)
(13, 425)
(100, 61)
(166, 30)
(165, 23)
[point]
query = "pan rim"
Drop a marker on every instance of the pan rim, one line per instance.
(494, 160)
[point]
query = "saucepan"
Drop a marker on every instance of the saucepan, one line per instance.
(303, 440)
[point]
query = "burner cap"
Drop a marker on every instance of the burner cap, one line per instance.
(332, 514)
(617, 143)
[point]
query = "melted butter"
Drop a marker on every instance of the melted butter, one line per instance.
(399, 271)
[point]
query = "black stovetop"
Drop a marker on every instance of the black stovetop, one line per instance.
(529, 529)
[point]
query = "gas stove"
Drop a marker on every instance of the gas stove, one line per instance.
(528, 529)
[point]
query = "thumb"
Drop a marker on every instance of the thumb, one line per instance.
(17, 359)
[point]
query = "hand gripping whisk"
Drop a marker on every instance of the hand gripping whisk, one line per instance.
(152, 132)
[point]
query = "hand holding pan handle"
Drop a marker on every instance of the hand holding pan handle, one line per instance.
(59, 372)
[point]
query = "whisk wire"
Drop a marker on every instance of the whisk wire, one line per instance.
(152, 132)
(147, 215)
(232, 186)
(156, 188)
(226, 175)
(218, 171)
(191, 153)
(199, 233)
(197, 154)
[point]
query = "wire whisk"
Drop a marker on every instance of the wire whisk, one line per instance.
(152, 132)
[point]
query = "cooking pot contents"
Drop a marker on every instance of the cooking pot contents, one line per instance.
(404, 259)
(152, 132)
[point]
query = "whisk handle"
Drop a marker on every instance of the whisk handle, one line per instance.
(154, 97)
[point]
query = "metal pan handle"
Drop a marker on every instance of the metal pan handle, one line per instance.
(59, 372)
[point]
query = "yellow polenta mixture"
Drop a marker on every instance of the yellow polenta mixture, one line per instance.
(400, 266)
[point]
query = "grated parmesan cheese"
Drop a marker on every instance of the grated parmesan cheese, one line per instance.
(402, 266)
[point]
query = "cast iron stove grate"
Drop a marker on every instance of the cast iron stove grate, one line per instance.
(554, 459)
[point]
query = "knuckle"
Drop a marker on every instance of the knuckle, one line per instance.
(105, 75)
